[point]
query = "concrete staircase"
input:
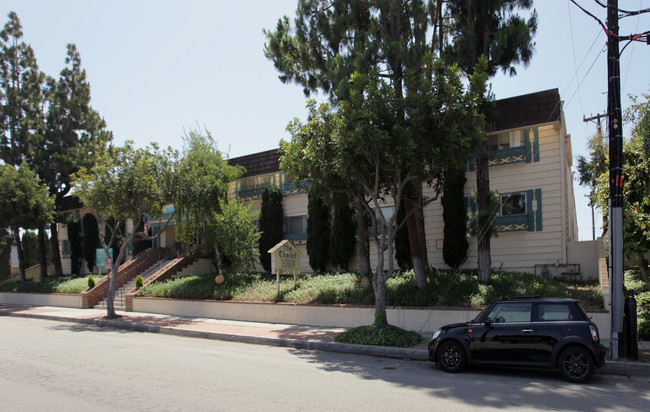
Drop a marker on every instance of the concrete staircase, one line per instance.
(119, 303)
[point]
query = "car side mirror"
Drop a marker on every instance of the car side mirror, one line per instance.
(488, 322)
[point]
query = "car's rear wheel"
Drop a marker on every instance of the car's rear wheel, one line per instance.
(451, 356)
(576, 364)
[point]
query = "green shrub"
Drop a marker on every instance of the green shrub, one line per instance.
(91, 282)
(633, 281)
(383, 335)
(446, 288)
(138, 282)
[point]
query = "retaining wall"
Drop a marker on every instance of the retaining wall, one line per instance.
(423, 320)
(65, 300)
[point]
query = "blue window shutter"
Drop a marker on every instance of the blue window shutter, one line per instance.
(536, 144)
(538, 217)
(529, 157)
(285, 226)
(529, 209)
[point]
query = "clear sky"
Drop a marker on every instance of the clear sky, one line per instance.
(160, 67)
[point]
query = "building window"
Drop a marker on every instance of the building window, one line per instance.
(295, 228)
(505, 140)
(296, 224)
(254, 182)
(387, 211)
(512, 204)
(65, 247)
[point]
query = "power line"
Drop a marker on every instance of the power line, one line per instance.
(626, 13)
(645, 36)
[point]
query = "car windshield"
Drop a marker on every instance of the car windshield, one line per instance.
(480, 315)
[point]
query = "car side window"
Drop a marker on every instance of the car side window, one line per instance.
(554, 312)
(510, 312)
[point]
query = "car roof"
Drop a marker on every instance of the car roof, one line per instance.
(536, 299)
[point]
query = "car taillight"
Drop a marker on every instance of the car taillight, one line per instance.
(594, 333)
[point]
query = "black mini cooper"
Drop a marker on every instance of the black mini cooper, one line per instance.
(527, 331)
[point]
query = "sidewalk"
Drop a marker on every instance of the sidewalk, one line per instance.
(292, 336)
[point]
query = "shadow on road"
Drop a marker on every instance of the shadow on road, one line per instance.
(486, 387)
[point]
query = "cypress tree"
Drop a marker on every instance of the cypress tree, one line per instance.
(342, 242)
(90, 241)
(318, 230)
(454, 249)
(271, 222)
(5, 253)
(402, 243)
(76, 253)
(30, 249)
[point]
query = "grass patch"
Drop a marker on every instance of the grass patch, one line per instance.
(446, 288)
(381, 335)
(63, 284)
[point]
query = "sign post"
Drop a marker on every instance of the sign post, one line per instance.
(285, 260)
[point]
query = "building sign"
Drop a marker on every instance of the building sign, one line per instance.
(285, 260)
(101, 259)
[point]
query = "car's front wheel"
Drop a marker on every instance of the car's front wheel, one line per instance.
(451, 356)
(576, 364)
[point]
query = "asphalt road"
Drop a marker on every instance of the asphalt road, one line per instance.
(58, 366)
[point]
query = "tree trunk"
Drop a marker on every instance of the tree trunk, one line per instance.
(379, 285)
(21, 255)
(110, 298)
(56, 252)
(419, 219)
(364, 250)
(415, 240)
(484, 214)
(42, 251)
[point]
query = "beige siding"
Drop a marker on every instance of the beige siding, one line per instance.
(521, 250)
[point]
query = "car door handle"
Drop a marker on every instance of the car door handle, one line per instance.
(527, 330)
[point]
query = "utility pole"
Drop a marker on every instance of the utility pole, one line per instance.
(597, 119)
(599, 130)
(615, 177)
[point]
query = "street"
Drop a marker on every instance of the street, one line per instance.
(58, 366)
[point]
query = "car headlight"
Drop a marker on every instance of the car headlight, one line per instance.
(436, 334)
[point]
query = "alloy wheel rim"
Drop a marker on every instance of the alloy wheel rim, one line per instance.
(576, 365)
(451, 357)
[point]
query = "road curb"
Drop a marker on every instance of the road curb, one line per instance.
(611, 367)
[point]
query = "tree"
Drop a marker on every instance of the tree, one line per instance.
(124, 185)
(455, 245)
(30, 248)
(76, 249)
(90, 240)
(203, 210)
(24, 204)
(589, 170)
(330, 40)
(21, 96)
(495, 31)
(271, 220)
(234, 225)
(5, 253)
(367, 150)
(318, 230)
(74, 135)
(342, 241)
(636, 185)
(402, 246)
